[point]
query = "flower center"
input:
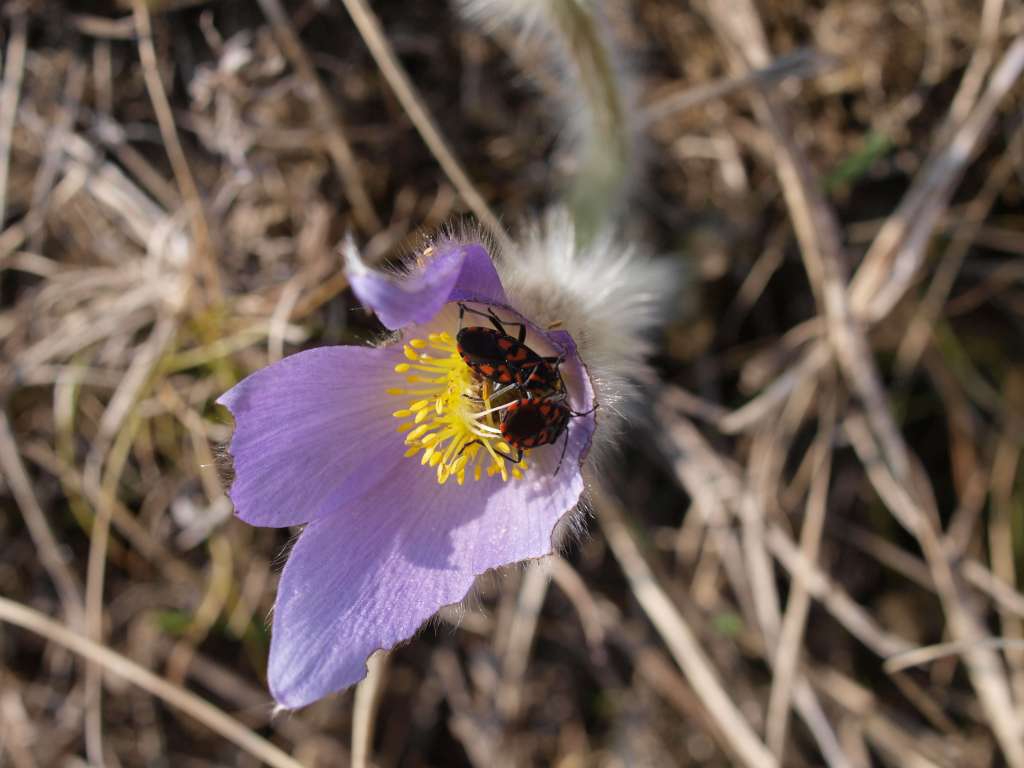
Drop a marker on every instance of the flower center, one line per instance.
(454, 415)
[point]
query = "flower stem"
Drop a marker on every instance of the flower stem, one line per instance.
(605, 142)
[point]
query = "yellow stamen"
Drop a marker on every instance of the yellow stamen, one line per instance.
(451, 416)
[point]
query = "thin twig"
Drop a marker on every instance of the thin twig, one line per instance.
(982, 579)
(532, 592)
(62, 126)
(704, 473)
(787, 654)
(986, 671)
(1001, 524)
(174, 569)
(603, 623)
(919, 329)
(364, 709)
(369, 27)
(917, 657)
(906, 231)
(337, 142)
(203, 256)
(974, 76)
(844, 609)
(10, 90)
(801, 63)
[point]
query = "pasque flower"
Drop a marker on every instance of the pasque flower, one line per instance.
(393, 458)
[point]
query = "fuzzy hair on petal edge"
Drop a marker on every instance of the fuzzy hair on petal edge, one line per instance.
(568, 531)
(606, 294)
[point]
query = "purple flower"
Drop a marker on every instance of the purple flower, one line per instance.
(393, 458)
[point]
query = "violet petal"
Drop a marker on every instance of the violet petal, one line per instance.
(478, 280)
(453, 272)
(368, 577)
(362, 580)
(312, 432)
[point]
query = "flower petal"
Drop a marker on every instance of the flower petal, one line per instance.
(515, 520)
(369, 577)
(452, 272)
(312, 432)
(361, 580)
(478, 280)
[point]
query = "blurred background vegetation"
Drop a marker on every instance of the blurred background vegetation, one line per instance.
(828, 474)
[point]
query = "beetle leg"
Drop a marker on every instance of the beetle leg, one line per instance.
(471, 442)
(493, 395)
(565, 444)
(520, 337)
(509, 457)
(500, 325)
(489, 314)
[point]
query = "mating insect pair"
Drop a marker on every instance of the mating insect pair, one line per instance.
(540, 415)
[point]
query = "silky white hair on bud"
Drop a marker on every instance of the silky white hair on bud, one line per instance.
(525, 16)
(605, 293)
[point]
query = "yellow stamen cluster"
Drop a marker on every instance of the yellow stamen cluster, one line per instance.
(454, 415)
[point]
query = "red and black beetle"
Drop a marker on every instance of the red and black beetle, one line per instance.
(495, 355)
(541, 416)
(535, 421)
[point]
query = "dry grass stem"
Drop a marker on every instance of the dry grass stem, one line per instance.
(798, 603)
(10, 91)
(205, 262)
(337, 142)
(364, 709)
(799, 64)
(917, 657)
(532, 592)
(679, 638)
(188, 702)
(414, 106)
